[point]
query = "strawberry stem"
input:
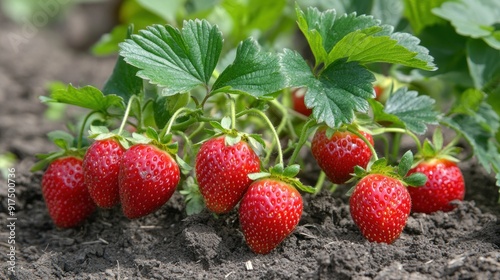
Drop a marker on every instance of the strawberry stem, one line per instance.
(233, 112)
(285, 119)
(127, 112)
(302, 139)
(362, 137)
(276, 140)
(319, 183)
(399, 131)
(82, 129)
(168, 127)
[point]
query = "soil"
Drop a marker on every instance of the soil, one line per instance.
(461, 244)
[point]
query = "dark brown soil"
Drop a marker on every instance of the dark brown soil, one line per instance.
(462, 244)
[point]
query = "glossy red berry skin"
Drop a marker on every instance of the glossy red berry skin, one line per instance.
(101, 165)
(298, 99)
(148, 177)
(445, 183)
(65, 194)
(380, 207)
(268, 213)
(222, 173)
(337, 156)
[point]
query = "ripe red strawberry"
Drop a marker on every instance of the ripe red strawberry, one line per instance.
(269, 212)
(337, 156)
(101, 164)
(445, 183)
(147, 179)
(378, 92)
(380, 206)
(66, 196)
(222, 172)
(298, 96)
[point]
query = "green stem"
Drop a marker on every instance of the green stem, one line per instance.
(362, 137)
(168, 127)
(319, 183)
(284, 114)
(302, 140)
(82, 129)
(396, 143)
(271, 126)
(233, 112)
(197, 130)
(399, 131)
(127, 112)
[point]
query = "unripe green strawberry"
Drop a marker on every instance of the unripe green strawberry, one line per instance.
(148, 178)
(380, 206)
(65, 194)
(445, 183)
(222, 172)
(101, 165)
(338, 155)
(269, 212)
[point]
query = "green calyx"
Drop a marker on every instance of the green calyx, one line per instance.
(68, 147)
(102, 133)
(398, 172)
(434, 149)
(232, 136)
(284, 174)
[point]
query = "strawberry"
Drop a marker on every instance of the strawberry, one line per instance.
(378, 92)
(298, 96)
(148, 177)
(222, 172)
(445, 183)
(101, 164)
(380, 206)
(380, 202)
(269, 212)
(65, 194)
(338, 154)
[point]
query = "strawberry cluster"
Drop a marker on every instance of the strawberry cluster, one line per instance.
(141, 178)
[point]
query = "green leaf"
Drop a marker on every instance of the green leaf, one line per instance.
(226, 122)
(342, 89)
(315, 26)
(447, 48)
(192, 196)
(413, 110)
(473, 18)
(468, 102)
(108, 43)
(62, 139)
(366, 47)
(123, 81)
(258, 175)
(484, 66)
(437, 139)
(339, 91)
(291, 171)
(359, 38)
(479, 133)
(419, 13)
(416, 179)
(253, 71)
(86, 97)
(177, 60)
(405, 163)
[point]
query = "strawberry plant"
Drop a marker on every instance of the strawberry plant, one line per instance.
(208, 118)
